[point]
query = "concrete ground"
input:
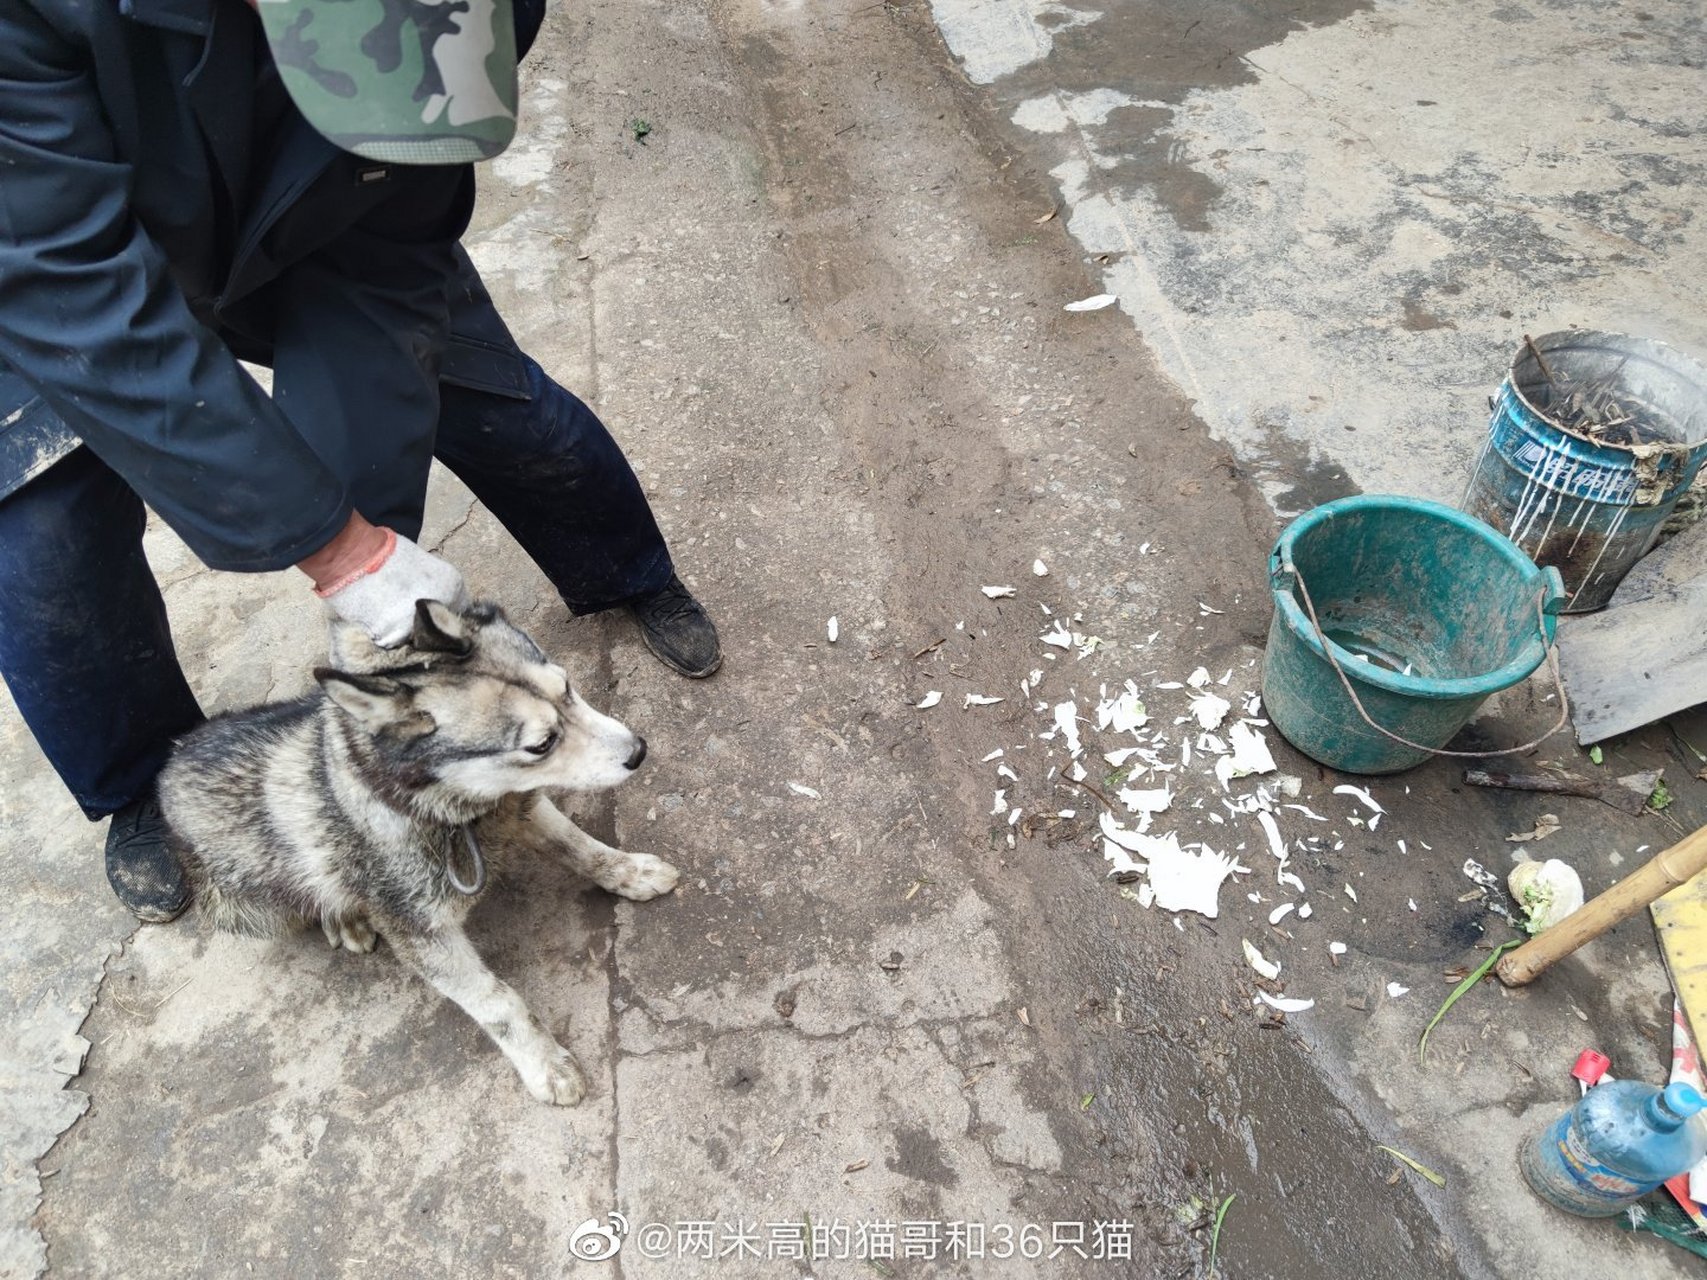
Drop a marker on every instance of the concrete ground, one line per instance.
(820, 303)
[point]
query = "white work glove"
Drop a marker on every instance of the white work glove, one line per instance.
(380, 596)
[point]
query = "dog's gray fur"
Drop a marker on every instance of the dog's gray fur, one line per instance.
(348, 807)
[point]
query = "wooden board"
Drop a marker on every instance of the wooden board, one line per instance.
(1681, 920)
(1644, 657)
(1632, 664)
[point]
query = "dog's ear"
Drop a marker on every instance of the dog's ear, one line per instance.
(441, 629)
(377, 703)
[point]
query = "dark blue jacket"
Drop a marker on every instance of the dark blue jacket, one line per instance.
(159, 218)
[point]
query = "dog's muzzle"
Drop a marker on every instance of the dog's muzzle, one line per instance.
(639, 757)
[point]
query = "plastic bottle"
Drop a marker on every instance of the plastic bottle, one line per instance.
(1620, 1142)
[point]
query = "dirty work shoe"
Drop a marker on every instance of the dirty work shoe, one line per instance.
(677, 629)
(143, 872)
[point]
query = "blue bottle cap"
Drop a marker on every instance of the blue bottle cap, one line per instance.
(1683, 1100)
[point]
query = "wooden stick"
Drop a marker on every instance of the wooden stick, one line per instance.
(1620, 798)
(1661, 874)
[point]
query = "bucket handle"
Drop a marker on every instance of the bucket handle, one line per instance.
(1549, 599)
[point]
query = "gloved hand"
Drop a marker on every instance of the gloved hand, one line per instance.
(380, 595)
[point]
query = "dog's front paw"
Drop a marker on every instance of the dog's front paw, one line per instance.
(561, 1083)
(640, 876)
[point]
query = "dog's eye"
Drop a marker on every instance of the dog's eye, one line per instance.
(542, 748)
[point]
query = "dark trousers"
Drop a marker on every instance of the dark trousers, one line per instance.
(84, 645)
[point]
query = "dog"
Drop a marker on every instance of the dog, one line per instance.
(373, 806)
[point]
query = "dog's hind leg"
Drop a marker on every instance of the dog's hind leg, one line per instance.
(449, 962)
(349, 931)
(637, 876)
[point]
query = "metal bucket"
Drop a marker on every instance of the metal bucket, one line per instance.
(1590, 502)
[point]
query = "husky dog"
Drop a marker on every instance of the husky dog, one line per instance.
(372, 806)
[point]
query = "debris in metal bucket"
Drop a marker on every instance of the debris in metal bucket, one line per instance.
(1096, 302)
(833, 629)
(1259, 962)
(1547, 891)
(929, 700)
(1546, 825)
(1000, 593)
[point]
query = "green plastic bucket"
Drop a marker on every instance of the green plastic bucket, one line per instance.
(1427, 611)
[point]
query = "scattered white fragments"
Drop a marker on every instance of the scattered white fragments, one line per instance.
(1395, 990)
(1360, 795)
(1148, 802)
(1336, 948)
(1249, 754)
(1124, 712)
(1000, 593)
(1096, 302)
(1547, 891)
(802, 790)
(980, 700)
(929, 700)
(1285, 1004)
(1281, 912)
(1261, 963)
(1545, 826)
(1039, 569)
(1067, 722)
(833, 629)
(1210, 709)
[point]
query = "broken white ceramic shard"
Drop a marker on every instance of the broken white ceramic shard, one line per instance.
(1280, 913)
(1261, 963)
(1336, 948)
(1271, 829)
(1547, 891)
(800, 790)
(1250, 751)
(1189, 881)
(1395, 990)
(833, 629)
(1210, 709)
(1286, 1004)
(1059, 636)
(1359, 794)
(1096, 302)
(1148, 802)
(929, 700)
(980, 700)
(999, 593)
(1067, 721)
(1120, 862)
(1039, 569)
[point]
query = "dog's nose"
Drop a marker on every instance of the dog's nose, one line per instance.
(639, 757)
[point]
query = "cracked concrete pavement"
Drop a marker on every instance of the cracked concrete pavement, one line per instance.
(820, 306)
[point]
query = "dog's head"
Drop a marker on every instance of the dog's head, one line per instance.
(472, 710)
